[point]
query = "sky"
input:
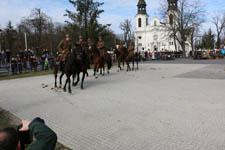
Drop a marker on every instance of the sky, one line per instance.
(115, 10)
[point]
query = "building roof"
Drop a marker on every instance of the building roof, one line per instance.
(141, 2)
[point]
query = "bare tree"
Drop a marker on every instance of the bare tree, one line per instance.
(126, 27)
(219, 22)
(185, 20)
(39, 23)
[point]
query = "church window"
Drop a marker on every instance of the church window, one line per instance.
(171, 19)
(146, 21)
(139, 37)
(139, 22)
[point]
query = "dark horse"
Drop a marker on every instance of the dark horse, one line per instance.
(121, 56)
(132, 58)
(81, 66)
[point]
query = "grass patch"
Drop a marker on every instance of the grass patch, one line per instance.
(26, 75)
(4, 121)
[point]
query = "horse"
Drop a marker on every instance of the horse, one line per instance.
(96, 59)
(81, 66)
(108, 61)
(121, 56)
(71, 67)
(132, 58)
(99, 61)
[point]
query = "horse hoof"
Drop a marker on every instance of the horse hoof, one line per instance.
(64, 90)
(82, 88)
(96, 77)
(70, 92)
(60, 86)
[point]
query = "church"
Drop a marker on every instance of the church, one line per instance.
(153, 36)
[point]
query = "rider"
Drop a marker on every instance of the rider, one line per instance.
(89, 51)
(130, 50)
(101, 46)
(64, 48)
(90, 44)
(121, 47)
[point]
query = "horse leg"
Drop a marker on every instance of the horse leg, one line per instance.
(96, 76)
(94, 71)
(69, 82)
(60, 79)
(65, 85)
(108, 68)
(56, 80)
(78, 79)
(56, 75)
(128, 67)
(82, 82)
(87, 73)
(133, 64)
(137, 64)
(119, 67)
(103, 68)
(123, 64)
(74, 76)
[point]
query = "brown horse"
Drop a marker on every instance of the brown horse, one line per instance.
(121, 57)
(96, 59)
(100, 61)
(132, 58)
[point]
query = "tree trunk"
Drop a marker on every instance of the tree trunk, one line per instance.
(175, 43)
(183, 49)
(218, 42)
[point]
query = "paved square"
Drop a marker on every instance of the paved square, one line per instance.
(159, 107)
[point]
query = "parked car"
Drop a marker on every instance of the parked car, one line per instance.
(205, 55)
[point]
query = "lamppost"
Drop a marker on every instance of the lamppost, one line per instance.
(0, 40)
(25, 37)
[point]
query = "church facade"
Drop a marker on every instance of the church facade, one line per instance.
(153, 35)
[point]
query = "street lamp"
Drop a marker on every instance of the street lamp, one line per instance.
(0, 40)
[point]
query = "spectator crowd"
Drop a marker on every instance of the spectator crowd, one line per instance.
(26, 61)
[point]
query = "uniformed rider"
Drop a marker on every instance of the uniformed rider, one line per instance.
(64, 49)
(130, 50)
(101, 47)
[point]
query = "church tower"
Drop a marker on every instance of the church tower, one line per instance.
(172, 12)
(142, 16)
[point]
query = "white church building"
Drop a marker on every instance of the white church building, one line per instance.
(153, 35)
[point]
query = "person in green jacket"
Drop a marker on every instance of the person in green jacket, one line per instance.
(45, 138)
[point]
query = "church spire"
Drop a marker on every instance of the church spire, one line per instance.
(172, 5)
(142, 7)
